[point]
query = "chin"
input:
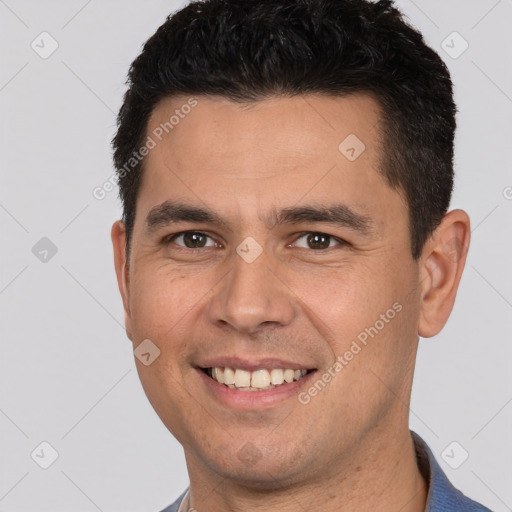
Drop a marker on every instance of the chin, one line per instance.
(262, 468)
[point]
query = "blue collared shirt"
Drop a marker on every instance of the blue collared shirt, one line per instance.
(442, 495)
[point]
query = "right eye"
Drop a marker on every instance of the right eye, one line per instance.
(189, 239)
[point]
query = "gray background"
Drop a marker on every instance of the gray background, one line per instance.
(67, 374)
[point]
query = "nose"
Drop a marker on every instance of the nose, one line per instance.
(252, 295)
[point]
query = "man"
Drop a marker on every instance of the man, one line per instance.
(286, 169)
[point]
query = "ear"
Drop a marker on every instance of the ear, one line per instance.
(441, 265)
(118, 235)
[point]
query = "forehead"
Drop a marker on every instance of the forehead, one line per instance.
(280, 150)
(302, 126)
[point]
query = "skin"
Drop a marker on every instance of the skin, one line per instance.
(349, 448)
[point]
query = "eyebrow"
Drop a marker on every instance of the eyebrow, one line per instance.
(171, 212)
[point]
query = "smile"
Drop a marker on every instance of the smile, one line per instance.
(257, 380)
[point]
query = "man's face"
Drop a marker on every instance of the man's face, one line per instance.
(273, 285)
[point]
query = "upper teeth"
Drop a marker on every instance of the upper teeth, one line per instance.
(258, 379)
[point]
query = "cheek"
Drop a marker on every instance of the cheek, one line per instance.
(162, 309)
(161, 300)
(342, 302)
(368, 319)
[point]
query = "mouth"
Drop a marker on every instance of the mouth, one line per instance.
(261, 379)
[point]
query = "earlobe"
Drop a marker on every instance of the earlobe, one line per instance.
(442, 263)
(118, 235)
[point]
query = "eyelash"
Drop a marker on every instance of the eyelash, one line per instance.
(171, 238)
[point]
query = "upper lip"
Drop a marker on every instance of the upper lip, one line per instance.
(253, 364)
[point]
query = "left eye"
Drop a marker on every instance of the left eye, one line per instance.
(317, 241)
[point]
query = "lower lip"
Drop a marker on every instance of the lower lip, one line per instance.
(250, 400)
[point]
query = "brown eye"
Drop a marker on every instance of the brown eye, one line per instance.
(191, 240)
(317, 241)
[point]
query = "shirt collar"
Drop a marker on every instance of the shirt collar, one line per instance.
(442, 495)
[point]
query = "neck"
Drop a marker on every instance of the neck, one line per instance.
(384, 476)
